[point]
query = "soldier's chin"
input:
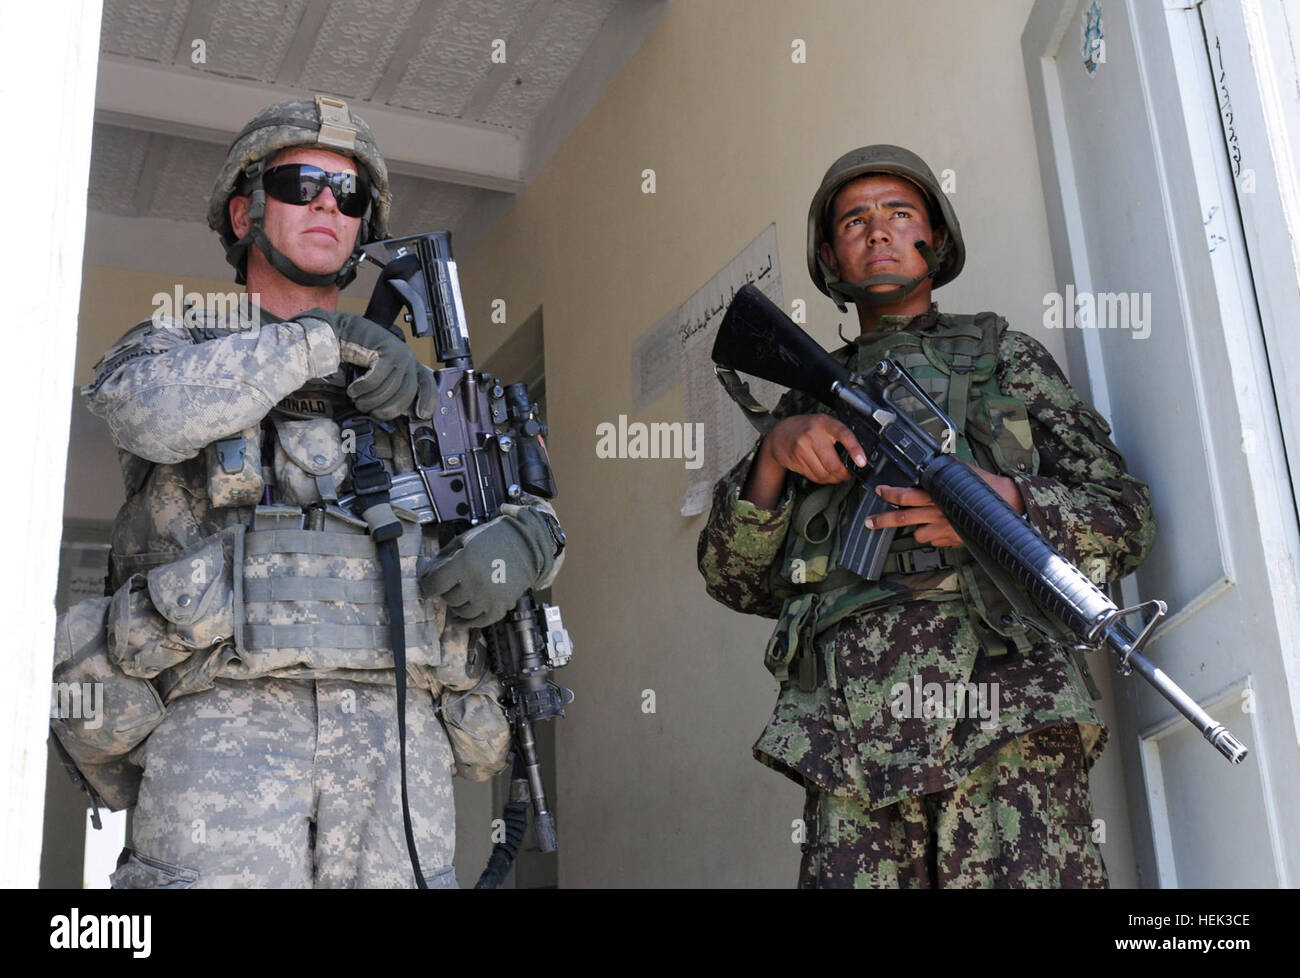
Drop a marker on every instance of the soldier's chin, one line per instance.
(869, 284)
(318, 265)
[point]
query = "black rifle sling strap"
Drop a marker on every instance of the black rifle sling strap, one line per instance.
(371, 482)
(79, 780)
(738, 391)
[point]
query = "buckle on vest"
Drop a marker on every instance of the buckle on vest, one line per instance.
(919, 560)
(230, 452)
(369, 477)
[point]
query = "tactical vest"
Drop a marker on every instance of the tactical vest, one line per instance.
(290, 589)
(955, 361)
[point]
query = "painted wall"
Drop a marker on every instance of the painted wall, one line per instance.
(738, 135)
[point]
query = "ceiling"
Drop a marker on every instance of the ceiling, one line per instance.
(462, 132)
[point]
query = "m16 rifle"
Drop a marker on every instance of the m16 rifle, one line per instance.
(483, 447)
(757, 338)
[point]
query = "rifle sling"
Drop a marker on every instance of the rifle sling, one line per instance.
(1021, 604)
(371, 482)
(738, 390)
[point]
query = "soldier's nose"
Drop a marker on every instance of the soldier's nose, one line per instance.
(325, 200)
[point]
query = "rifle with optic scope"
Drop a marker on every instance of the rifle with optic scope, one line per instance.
(482, 447)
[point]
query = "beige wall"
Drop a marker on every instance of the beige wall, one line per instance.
(738, 136)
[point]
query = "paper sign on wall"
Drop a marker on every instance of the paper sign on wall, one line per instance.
(677, 349)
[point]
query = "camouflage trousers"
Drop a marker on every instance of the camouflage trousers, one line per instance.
(1020, 820)
(283, 783)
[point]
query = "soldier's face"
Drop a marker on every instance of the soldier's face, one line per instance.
(876, 222)
(316, 237)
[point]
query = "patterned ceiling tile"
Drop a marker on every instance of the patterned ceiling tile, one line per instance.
(431, 55)
(248, 38)
(116, 158)
(182, 183)
(456, 53)
(442, 208)
(185, 179)
(354, 46)
(146, 29)
(543, 66)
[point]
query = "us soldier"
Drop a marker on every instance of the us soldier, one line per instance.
(941, 742)
(252, 602)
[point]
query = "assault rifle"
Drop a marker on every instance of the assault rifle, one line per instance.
(756, 337)
(482, 447)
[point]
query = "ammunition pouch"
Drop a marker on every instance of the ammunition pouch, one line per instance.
(477, 729)
(234, 468)
(814, 538)
(129, 708)
(469, 705)
(310, 464)
(793, 639)
(276, 599)
(178, 622)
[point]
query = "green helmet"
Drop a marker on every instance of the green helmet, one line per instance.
(322, 122)
(883, 158)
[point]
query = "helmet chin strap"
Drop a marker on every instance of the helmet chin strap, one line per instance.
(285, 266)
(859, 294)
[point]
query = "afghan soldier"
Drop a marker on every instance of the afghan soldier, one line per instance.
(940, 740)
(246, 600)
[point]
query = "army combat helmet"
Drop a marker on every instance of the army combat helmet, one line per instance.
(324, 123)
(882, 158)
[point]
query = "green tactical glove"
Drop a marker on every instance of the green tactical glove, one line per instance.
(426, 402)
(392, 377)
(485, 570)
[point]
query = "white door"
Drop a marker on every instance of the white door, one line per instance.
(1141, 202)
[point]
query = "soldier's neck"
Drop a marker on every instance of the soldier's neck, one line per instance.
(913, 305)
(284, 299)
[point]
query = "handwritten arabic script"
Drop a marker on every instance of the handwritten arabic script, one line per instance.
(712, 314)
(1225, 111)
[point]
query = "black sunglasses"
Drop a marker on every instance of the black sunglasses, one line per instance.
(301, 183)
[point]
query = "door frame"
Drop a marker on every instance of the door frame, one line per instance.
(1190, 163)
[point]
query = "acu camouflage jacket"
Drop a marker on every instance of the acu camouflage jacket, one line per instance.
(236, 600)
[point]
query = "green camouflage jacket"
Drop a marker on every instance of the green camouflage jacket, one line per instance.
(904, 701)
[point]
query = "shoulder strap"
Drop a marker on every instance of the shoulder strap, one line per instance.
(757, 415)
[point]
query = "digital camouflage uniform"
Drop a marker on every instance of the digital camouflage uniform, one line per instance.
(276, 761)
(956, 797)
